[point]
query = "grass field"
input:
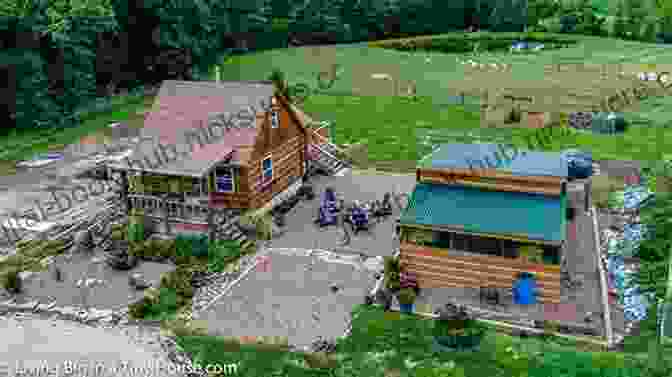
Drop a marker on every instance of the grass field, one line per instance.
(390, 344)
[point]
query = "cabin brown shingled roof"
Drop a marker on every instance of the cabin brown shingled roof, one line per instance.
(186, 105)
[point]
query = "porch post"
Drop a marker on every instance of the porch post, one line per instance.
(211, 224)
(164, 214)
(125, 200)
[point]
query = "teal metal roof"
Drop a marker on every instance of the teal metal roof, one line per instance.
(534, 216)
(478, 156)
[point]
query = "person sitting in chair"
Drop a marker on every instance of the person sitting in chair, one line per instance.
(359, 217)
(386, 206)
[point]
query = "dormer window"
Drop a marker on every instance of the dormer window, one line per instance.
(275, 119)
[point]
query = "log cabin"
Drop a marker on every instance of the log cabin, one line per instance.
(239, 146)
(471, 226)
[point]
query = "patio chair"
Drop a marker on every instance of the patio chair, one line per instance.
(359, 218)
(326, 216)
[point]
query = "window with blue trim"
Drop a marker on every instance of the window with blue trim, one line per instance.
(267, 169)
(224, 180)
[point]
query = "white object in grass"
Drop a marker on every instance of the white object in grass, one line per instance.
(652, 76)
(380, 76)
(114, 125)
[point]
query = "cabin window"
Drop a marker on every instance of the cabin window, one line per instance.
(551, 255)
(267, 169)
(442, 240)
(224, 180)
(275, 119)
(461, 242)
(485, 245)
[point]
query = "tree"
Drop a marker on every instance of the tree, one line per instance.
(280, 8)
(620, 25)
(538, 10)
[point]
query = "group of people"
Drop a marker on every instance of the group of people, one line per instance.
(332, 211)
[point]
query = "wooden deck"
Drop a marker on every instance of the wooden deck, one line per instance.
(439, 268)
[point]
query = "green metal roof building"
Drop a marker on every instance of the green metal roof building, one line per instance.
(496, 213)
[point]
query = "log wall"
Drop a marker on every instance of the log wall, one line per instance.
(436, 268)
(485, 178)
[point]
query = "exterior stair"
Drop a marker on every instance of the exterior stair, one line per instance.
(324, 157)
(228, 229)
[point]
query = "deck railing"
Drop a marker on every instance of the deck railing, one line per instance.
(157, 207)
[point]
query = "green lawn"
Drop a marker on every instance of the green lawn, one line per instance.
(383, 342)
(364, 108)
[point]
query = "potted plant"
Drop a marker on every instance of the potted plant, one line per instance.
(455, 329)
(392, 274)
(406, 297)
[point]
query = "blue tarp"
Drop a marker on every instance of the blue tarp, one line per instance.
(634, 303)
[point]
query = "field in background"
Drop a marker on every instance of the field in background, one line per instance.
(364, 109)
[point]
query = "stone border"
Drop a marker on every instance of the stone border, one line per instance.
(71, 313)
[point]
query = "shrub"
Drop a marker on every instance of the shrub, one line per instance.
(221, 253)
(187, 245)
(392, 273)
(138, 310)
(406, 296)
(180, 281)
(514, 116)
(136, 232)
(12, 281)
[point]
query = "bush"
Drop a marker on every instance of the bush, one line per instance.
(406, 296)
(12, 281)
(136, 232)
(180, 281)
(186, 245)
(222, 253)
(392, 274)
(514, 116)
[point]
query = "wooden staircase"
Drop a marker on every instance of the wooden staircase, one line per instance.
(323, 157)
(227, 229)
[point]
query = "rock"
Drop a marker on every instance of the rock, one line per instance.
(82, 315)
(138, 282)
(83, 242)
(68, 312)
(97, 260)
(26, 275)
(31, 305)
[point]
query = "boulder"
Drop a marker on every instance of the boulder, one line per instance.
(83, 242)
(138, 282)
